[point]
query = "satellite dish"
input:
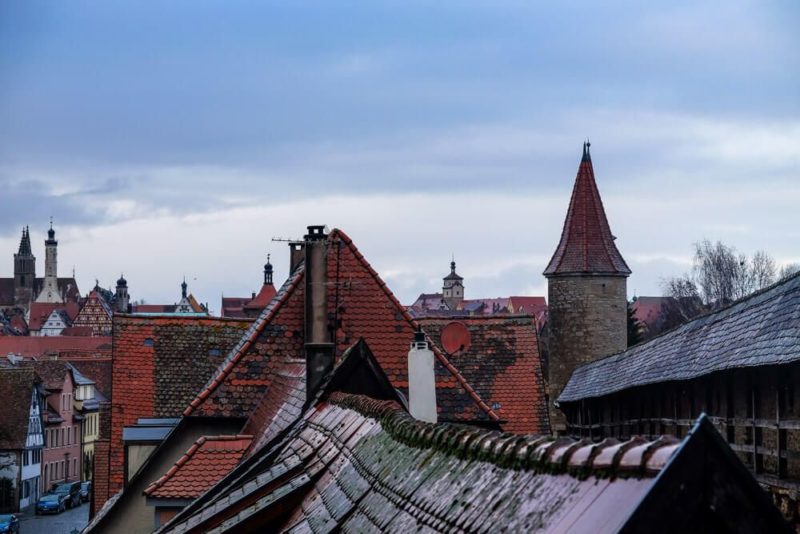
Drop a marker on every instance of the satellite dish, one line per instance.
(455, 337)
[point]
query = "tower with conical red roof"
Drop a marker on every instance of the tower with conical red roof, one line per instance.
(587, 289)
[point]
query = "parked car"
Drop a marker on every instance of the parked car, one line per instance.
(52, 503)
(73, 490)
(9, 524)
(86, 490)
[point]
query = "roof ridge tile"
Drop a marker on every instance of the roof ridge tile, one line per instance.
(547, 454)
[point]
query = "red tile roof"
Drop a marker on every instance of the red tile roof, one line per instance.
(234, 306)
(159, 363)
(77, 331)
(280, 406)
(533, 306)
(274, 338)
(61, 346)
(202, 466)
(586, 245)
(265, 295)
(18, 323)
(502, 363)
(40, 311)
(367, 308)
(364, 307)
(17, 386)
(52, 372)
(648, 310)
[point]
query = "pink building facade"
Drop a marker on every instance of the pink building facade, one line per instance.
(61, 461)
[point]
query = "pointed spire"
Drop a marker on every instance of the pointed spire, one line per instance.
(51, 234)
(587, 245)
(183, 287)
(25, 243)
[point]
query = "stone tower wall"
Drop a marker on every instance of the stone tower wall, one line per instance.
(588, 320)
(51, 260)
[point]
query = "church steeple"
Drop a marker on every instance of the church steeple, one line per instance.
(24, 271)
(184, 286)
(25, 243)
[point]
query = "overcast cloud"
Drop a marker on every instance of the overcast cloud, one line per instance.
(172, 138)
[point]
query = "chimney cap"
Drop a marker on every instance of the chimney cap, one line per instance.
(315, 233)
(419, 336)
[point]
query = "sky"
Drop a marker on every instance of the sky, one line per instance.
(172, 139)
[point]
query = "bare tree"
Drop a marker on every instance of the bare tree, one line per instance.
(788, 270)
(719, 275)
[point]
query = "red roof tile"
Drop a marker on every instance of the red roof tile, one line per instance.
(586, 245)
(367, 308)
(202, 466)
(52, 372)
(275, 338)
(83, 331)
(17, 387)
(61, 346)
(159, 363)
(364, 307)
(265, 295)
(234, 306)
(502, 363)
(40, 311)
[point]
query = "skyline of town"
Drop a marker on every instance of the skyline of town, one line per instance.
(220, 127)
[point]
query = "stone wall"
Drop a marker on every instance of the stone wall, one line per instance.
(588, 320)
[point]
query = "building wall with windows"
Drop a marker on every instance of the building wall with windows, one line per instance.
(30, 484)
(21, 439)
(62, 452)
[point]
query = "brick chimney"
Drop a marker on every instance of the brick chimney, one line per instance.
(296, 254)
(421, 380)
(319, 347)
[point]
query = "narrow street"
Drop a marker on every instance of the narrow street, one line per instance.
(65, 523)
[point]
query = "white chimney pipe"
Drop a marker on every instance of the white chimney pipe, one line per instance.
(421, 380)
